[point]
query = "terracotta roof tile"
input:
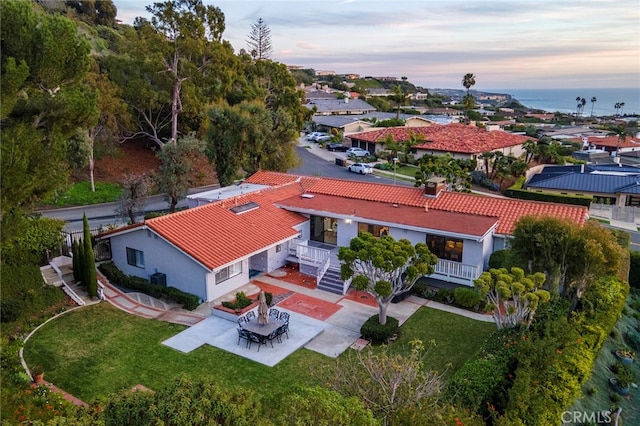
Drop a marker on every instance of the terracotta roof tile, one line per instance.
(215, 236)
(454, 137)
(458, 223)
(612, 141)
(506, 209)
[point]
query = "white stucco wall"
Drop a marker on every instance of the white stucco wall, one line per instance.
(216, 290)
(159, 256)
(346, 232)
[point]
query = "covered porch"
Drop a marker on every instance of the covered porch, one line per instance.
(456, 272)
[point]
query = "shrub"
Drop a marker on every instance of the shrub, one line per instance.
(444, 295)
(10, 310)
(116, 276)
(241, 301)
(502, 259)
(467, 297)
(378, 333)
(634, 269)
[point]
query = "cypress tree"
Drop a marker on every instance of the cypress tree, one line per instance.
(81, 262)
(74, 253)
(91, 279)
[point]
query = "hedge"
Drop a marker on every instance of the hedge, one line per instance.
(378, 333)
(516, 191)
(558, 359)
(116, 276)
(24, 293)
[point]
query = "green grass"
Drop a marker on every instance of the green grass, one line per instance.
(98, 350)
(80, 194)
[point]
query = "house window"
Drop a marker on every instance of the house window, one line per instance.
(278, 248)
(445, 247)
(375, 230)
(229, 272)
(135, 257)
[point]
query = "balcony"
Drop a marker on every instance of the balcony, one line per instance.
(456, 272)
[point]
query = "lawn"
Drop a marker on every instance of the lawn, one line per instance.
(80, 194)
(98, 350)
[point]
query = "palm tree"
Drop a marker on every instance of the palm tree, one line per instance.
(621, 132)
(468, 81)
(531, 148)
(399, 97)
(617, 107)
(621, 107)
(578, 107)
(581, 103)
(486, 157)
(593, 102)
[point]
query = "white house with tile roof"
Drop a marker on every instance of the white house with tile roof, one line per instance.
(213, 249)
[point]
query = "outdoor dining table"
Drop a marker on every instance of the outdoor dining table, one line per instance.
(262, 330)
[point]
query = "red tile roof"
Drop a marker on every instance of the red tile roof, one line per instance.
(215, 236)
(508, 210)
(612, 141)
(386, 212)
(452, 138)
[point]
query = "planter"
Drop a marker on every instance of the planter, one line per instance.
(613, 382)
(623, 359)
(39, 378)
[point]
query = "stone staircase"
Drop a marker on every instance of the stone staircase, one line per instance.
(332, 282)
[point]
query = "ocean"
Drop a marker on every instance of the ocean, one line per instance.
(564, 100)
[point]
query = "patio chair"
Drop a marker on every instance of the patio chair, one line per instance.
(283, 329)
(254, 338)
(284, 317)
(243, 334)
(250, 315)
(242, 321)
(273, 313)
(274, 335)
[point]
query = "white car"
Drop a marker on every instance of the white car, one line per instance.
(315, 135)
(363, 169)
(358, 152)
(325, 138)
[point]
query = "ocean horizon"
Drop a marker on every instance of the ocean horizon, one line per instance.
(564, 100)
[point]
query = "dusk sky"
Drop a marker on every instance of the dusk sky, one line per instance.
(507, 44)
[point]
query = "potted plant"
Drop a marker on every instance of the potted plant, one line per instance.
(38, 374)
(621, 382)
(625, 355)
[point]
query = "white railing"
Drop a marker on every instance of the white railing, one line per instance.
(459, 270)
(65, 287)
(322, 268)
(312, 255)
(293, 245)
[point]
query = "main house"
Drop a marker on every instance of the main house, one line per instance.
(273, 218)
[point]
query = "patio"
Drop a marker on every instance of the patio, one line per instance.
(322, 322)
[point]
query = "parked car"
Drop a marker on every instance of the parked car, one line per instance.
(315, 135)
(337, 147)
(363, 169)
(358, 152)
(325, 138)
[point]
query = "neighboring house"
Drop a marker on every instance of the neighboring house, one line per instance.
(612, 184)
(461, 141)
(612, 143)
(339, 106)
(358, 123)
(214, 249)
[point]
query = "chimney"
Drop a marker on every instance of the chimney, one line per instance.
(434, 186)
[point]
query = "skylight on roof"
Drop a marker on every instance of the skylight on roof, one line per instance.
(307, 195)
(243, 208)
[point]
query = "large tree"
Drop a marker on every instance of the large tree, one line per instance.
(44, 101)
(176, 165)
(259, 41)
(569, 254)
(135, 189)
(384, 267)
(172, 66)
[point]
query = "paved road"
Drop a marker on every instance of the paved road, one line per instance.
(318, 163)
